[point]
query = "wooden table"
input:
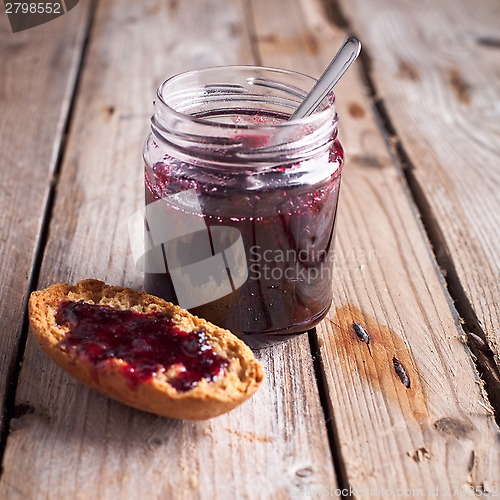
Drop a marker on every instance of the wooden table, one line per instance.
(418, 253)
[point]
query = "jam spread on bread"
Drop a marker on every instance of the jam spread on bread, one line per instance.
(147, 343)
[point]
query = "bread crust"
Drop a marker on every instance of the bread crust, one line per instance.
(206, 400)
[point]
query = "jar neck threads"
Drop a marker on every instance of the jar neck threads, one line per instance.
(237, 115)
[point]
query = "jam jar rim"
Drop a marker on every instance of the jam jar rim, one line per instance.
(328, 102)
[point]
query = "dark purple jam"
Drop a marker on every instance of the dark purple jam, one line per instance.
(148, 343)
(286, 217)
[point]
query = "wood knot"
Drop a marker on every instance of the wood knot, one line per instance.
(453, 427)
(304, 472)
(459, 86)
(23, 409)
(401, 372)
(486, 41)
(109, 111)
(154, 442)
(420, 454)
(356, 110)
(311, 43)
(173, 6)
(407, 71)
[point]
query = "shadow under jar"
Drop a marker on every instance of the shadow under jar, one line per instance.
(240, 203)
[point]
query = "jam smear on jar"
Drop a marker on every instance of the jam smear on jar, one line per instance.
(148, 343)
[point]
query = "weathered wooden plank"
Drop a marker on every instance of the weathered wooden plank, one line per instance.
(37, 77)
(440, 84)
(438, 434)
(272, 444)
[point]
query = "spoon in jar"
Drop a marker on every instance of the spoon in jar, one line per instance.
(346, 55)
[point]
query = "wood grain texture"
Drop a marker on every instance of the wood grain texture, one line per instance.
(438, 433)
(69, 442)
(440, 84)
(37, 77)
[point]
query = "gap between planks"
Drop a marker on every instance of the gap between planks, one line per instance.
(483, 356)
(12, 377)
(331, 426)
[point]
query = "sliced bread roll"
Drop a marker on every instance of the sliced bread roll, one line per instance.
(143, 351)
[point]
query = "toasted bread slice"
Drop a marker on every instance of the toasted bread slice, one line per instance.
(209, 398)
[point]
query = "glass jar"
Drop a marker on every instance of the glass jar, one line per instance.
(241, 203)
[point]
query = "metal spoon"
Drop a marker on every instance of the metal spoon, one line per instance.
(346, 55)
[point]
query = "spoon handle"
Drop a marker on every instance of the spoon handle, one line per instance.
(346, 55)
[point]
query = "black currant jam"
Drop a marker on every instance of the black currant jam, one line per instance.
(148, 343)
(274, 183)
